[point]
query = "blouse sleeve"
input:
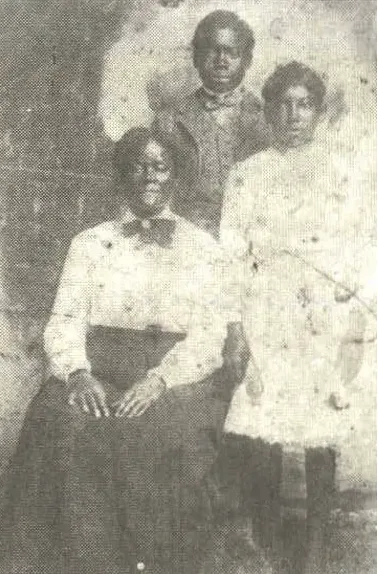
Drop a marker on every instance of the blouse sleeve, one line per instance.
(234, 220)
(215, 305)
(65, 334)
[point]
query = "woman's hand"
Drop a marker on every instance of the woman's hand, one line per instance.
(88, 394)
(140, 397)
(339, 400)
(348, 364)
(349, 360)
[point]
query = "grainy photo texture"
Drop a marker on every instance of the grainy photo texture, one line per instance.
(188, 287)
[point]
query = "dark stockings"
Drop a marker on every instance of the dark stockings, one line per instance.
(320, 481)
(260, 486)
(254, 469)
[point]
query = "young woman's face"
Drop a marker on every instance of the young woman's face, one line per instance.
(150, 180)
(294, 117)
(222, 64)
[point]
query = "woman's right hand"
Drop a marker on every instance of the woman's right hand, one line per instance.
(87, 393)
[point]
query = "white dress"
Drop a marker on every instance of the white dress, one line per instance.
(296, 214)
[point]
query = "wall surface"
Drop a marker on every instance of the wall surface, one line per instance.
(54, 171)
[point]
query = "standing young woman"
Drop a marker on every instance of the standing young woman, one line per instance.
(289, 212)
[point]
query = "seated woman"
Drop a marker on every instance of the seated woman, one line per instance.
(306, 312)
(110, 475)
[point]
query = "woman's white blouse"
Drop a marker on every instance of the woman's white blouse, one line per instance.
(118, 281)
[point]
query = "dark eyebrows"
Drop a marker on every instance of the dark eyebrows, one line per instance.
(310, 99)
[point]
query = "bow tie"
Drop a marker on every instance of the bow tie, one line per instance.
(216, 101)
(159, 231)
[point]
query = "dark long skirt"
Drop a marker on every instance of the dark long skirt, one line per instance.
(113, 495)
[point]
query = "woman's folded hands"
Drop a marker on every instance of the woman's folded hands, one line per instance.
(88, 394)
(140, 397)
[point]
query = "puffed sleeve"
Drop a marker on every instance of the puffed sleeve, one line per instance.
(65, 334)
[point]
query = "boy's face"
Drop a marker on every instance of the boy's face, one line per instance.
(294, 117)
(150, 180)
(222, 64)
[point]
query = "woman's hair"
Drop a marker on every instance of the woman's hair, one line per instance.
(222, 19)
(290, 75)
(135, 140)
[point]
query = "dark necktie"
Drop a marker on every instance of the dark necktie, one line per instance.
(157, 230)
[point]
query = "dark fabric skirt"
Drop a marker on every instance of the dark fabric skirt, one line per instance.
(113, 495)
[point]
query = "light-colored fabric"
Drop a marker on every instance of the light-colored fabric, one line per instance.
(112, 280)
(295, 220)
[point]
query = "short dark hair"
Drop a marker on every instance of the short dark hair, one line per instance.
(222, 19)
(294, 74)
(128, 148)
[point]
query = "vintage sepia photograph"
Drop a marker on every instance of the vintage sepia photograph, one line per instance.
(188, 285)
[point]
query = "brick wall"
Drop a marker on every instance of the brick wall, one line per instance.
(55, 176)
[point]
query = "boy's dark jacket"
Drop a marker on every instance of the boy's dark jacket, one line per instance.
(207, 151)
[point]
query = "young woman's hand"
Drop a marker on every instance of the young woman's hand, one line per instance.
(349, 360)
(140, 397)
(87, 393)
(339, 400)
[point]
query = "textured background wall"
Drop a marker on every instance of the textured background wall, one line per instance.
(62, 72)
(54, 170)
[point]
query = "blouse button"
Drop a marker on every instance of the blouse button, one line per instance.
(140, 566)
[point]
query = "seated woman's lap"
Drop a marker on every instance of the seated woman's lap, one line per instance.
(148, 471)
(181, 427)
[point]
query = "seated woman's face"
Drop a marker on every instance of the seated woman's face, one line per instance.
(150, 181)
(294, 117)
